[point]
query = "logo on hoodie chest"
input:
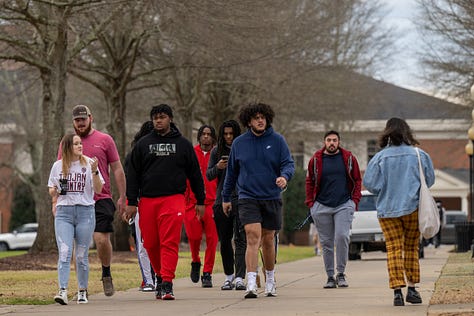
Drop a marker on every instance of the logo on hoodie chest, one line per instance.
(162, 149)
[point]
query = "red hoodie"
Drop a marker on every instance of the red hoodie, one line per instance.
(313, 176)
(210, 186)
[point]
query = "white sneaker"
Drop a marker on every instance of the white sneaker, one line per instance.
(148, 288)
(82, 297)
(251, 292)
(61, 297)
(239, 285)
(270, 289)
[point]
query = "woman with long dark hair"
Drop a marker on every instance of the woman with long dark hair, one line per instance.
(393, 175)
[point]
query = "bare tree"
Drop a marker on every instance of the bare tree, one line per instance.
(213, 55)
(22, 90)
(447, 28)
(204, 42)
(333, 39)
(272, 46)
(37, 33)
(112, 63)
(223, 96)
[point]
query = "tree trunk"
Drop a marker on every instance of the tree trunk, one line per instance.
(116, 125)
(116, 128)
(54, 96)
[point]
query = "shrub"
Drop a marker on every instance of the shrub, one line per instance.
(294, 209)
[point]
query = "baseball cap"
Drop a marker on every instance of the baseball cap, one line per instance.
(80, 111)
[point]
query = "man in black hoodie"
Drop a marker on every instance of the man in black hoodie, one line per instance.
(159, 165)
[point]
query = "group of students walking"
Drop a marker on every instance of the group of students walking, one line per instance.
(228, 187)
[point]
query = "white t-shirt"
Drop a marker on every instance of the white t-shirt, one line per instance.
(80, 190)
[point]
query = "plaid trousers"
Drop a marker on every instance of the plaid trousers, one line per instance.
(402, 239)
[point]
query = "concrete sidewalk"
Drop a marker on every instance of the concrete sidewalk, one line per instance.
(299, 287)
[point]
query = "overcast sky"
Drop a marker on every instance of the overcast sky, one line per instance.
(405, 68)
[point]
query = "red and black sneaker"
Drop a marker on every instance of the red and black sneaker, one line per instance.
(167, 291)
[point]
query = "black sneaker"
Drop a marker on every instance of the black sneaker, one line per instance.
(398, 299)
(413, 296)
(206, 279)
(195, 271)
(167, 291)
(330, 284)
(159, 282)
(341, 280)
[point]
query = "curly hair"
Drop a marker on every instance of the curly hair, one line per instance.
(161, 108)
(249, 111)
(397, 132)
(221, 144)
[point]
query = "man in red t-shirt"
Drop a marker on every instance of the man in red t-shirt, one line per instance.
(194, 224)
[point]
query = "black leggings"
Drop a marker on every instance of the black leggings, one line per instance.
(229, 227)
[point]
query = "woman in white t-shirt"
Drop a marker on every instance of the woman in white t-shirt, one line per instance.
(72, 183)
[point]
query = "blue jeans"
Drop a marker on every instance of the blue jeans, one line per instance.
(74, 223)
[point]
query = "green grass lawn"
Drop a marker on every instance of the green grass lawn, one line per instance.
(16, 286)
(4, 254)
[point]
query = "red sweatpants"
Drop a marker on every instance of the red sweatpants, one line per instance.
(161, 219)
(194, 229)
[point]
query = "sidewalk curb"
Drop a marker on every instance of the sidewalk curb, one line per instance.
(450, 309)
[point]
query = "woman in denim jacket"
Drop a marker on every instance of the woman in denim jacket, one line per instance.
(393, 175)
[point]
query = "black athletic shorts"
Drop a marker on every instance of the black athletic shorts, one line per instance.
(266, 212)
(104, 215)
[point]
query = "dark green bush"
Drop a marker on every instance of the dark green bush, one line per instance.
(294, 209)
(23, 206)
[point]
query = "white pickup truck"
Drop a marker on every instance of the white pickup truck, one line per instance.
(366, 234)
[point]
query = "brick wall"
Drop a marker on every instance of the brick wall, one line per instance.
(6, 185)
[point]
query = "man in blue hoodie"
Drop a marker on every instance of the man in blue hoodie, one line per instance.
(260, 165)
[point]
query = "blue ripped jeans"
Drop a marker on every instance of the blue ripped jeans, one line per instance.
(74, 225)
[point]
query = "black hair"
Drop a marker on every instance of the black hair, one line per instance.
(397, 132)
(161, 108)
(332, 132)
(221, 144)
(249, 111)
(213, 133)
(146, 128)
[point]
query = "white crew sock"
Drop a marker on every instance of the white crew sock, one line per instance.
(229, 277)
(251, 280)
(270, 276)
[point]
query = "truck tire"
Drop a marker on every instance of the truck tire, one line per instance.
(3, 246)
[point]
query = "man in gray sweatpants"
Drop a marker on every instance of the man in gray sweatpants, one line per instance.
(333, 184)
